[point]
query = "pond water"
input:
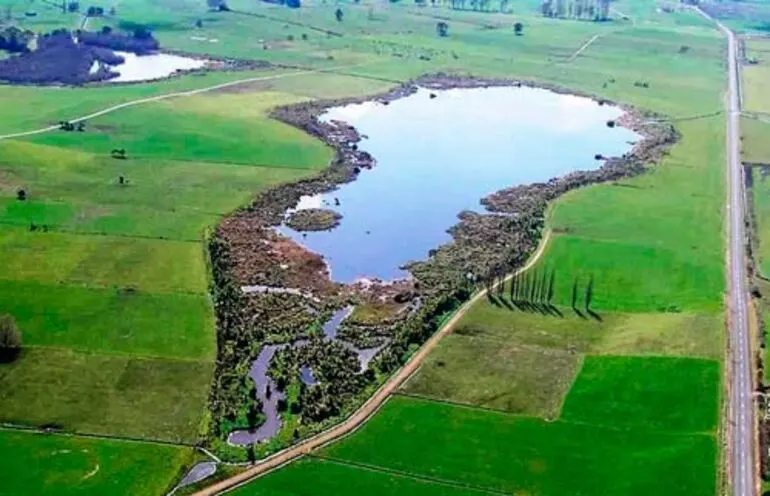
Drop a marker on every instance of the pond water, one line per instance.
(149, 67)
(439, 156)
(258, 374)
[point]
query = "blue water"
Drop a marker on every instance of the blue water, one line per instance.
(439, 156)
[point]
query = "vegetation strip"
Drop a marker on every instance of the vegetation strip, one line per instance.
(368, 409)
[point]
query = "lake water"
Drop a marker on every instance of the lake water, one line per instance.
(439, 156)
(149, 67)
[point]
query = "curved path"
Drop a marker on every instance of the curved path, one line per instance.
(167, 96)
(368, 409)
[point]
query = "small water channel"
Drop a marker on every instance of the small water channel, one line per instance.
(438, 153)
(150, 67)
(258, 374)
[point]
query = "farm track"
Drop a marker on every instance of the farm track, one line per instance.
(178, 94)
(370, 407)
(583, 47)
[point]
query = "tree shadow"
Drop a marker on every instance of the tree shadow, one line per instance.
(8, 355)
(594, 315)
(579, 313)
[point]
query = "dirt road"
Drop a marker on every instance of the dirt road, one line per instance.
(167, 96)
(372, 405)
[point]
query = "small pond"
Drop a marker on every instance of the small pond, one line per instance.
(258, 374)
(438, 153)
(149, 67)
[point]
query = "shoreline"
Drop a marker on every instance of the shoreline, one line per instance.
(270, 207)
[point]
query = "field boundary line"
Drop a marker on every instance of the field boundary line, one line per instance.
(9, 427)
(467, 406)
(373, 404)
(407, 475)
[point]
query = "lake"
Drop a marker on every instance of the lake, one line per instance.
(150, 67)
(437, 156)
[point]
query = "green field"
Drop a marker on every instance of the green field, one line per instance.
(639, 393)
(48, 464)
(760, 191)
(755, 76)
(525, 455)
(332, 477)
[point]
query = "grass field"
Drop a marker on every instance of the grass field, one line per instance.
(332, 477)
(524, 455)
(49, 464)
(755, 147)
(761, 196)
(639, 393)
(755, 76)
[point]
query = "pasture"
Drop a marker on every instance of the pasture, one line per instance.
(515, 454)
(49, 464)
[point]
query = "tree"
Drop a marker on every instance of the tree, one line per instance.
(339, 14)
(589, 293)
(10, 339)
(442, 29)
(550, 286)
(518, 28)
(574, 293)
(199, 23)
(21, 194)
(293, 4)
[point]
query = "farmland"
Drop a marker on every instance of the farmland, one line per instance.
(86, 466)
(122, 272)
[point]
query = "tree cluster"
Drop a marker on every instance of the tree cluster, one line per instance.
(592, 10)
(15, 40)
(58, 59)
(140, 41)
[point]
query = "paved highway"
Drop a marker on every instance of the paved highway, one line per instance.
(741, 411)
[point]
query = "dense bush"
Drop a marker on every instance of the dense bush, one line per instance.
(15, 40)
(58, 59)
(10, 339)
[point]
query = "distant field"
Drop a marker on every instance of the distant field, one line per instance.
(524, 455)
(755, 146)
(755, 76)
(761, 197)
(646, 393)
(38, 464)
(313, 477)
(222, 128)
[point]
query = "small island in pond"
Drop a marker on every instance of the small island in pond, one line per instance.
(313, 219)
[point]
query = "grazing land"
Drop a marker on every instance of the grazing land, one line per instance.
(515, 454)
(126, 345)
(50, 464)
(333, 477)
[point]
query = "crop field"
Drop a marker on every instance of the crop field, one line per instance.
(760, 191)
(125, 345)
(50, 464)
(754, 145)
